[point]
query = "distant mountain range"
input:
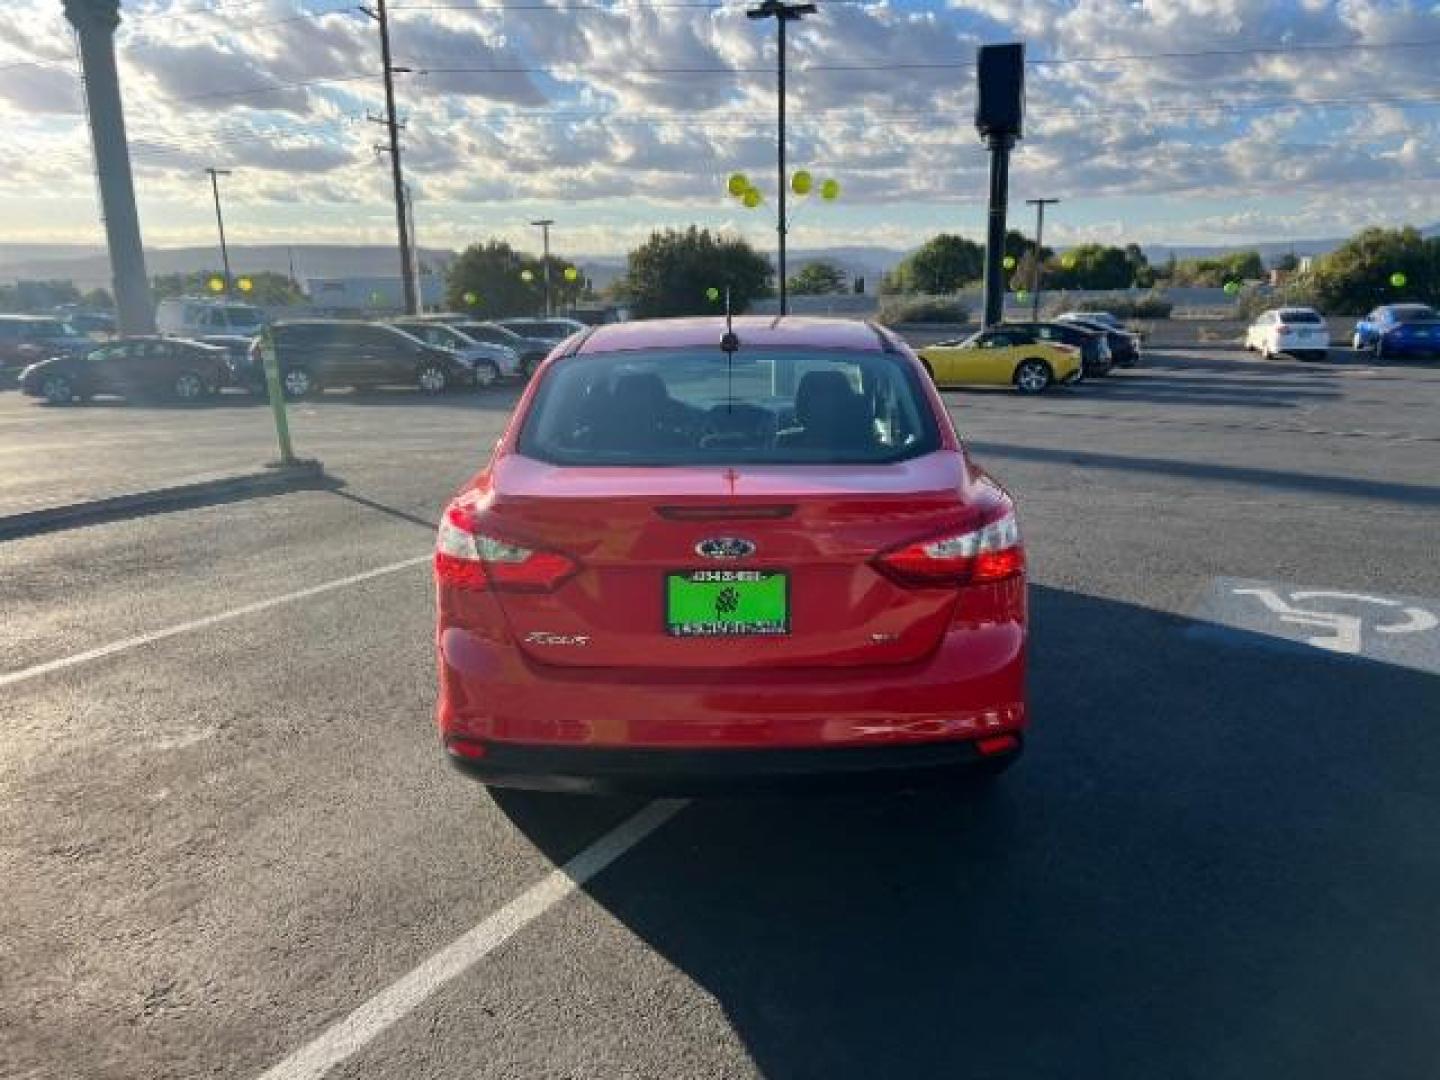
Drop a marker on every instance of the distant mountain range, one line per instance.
(87, 265)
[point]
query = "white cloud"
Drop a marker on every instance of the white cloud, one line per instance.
(641, 112)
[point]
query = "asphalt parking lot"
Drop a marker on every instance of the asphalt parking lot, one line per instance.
(231, 849)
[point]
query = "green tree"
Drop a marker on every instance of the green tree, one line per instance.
(1359, 274)
(819, 279)
(943, 264)
(98, 300)
(670, 272)
(1093, 266)
(1215, 272)
(490, 275)
(1142, 274)
(1018, 245)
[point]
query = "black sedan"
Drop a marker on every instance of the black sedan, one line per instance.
(1124, 346)
(1094, 345)
(135, 367)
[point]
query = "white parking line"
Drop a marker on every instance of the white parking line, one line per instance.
(407, 993)
(13, 677)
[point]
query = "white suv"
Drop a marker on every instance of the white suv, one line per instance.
(188, 316)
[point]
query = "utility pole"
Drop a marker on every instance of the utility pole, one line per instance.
(544, 226)
(215, 175)
(782, 11)
(414, 248)
(1039, 205)
(393, 125)
(95, 22)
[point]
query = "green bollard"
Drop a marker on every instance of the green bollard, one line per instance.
(277, 397)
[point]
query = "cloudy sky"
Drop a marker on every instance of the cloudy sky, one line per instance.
(1184, 121)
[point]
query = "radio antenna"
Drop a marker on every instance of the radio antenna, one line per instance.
(729, 345)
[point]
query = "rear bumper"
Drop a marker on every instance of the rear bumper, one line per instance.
(519, 722)
(720, 772)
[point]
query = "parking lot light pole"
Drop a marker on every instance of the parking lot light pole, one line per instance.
(215, 175)
(1039, 205)
(544, 226)
(782, 11)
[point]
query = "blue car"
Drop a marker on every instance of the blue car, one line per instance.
(1397, 330)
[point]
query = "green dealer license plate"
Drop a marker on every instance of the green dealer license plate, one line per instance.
(727, 603)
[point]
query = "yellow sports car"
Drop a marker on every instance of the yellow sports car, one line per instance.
(1003, 356)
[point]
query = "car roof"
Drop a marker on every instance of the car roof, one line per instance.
(756, 331)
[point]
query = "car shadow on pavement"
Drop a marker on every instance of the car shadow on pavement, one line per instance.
(1308, 483)
(1217, 860)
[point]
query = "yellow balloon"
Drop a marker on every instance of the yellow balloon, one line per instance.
(526, 275)
(245, 284)
(738, 184)
(751, 199)
(801, 183)
(571, 274)
(217, 284)
(1008, 262)
(830, 190)
(1068, 262)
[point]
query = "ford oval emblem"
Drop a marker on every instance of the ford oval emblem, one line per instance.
(724, 547)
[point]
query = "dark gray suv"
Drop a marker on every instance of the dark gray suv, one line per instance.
(315, 353)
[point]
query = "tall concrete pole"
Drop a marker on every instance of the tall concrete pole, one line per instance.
(95, 22)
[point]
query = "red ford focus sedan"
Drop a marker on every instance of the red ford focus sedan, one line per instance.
(701, 560)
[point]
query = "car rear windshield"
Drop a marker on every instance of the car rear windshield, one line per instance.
(1413, 313)
(243, 315)
(1293, 318)
(764, 406)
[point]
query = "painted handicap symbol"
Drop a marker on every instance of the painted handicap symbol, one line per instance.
(1344, 631)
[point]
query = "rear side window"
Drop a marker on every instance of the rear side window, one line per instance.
(1412, 313)
(1300, 318)
(767, 406)
(379, 337)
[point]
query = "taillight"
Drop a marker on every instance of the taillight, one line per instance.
(1069, 350)
(991, 552)
(469, 559)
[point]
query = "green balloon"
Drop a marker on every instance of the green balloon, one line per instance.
(1231, 288)
(1022, 296)
(751, 199)
(738, 184)
(1398, 280)
(1068, 262)
(1008, 262)
(830, 190)
(802, 182)
(470, 299)
(712, 294)
(527, 276)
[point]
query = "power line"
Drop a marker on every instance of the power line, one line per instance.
(710, 118)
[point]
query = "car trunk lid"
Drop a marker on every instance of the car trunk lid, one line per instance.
(804, 537)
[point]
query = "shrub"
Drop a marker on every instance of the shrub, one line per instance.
(932, 310)
(1150, 306)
